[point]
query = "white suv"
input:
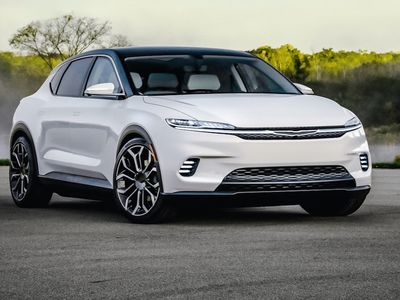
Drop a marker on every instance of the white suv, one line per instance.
(149, 125)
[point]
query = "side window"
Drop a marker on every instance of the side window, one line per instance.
(57, 78)
(73, 80)
(104, 72)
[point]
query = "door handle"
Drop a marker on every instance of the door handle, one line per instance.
(76, 113)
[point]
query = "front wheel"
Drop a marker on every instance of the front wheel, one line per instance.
(137, 183)
(333, 207)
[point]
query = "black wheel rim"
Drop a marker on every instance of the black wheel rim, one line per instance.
(20, 177)
(137, 180)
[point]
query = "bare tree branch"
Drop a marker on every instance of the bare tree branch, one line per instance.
(117, 41)
(63, 37)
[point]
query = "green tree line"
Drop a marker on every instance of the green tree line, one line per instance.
(366, 82)
(20, 76)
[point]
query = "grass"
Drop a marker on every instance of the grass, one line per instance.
(394, 165)
(386, 166)
(4, 162)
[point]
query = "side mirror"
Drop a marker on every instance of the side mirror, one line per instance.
(102, 89)
(304, 89)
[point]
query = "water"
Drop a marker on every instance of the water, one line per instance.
(384, 152)
(4, 145)
(379, 152)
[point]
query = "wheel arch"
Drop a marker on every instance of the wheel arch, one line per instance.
(131, 132)
(136, 131)
(21, 130)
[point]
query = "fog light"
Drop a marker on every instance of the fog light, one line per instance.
(364, 161)
(189, 167)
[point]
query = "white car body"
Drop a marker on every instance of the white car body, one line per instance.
(76, 136)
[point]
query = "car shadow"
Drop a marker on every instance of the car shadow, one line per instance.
(89, 209)
(105, 211)
(198, 215)
(270, 215)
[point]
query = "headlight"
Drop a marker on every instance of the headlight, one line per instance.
(352, 122)
(183, 123)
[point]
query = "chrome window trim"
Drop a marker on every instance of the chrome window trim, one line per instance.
(70, 60)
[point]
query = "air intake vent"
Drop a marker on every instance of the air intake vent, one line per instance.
(189, 167)
(364, 162)
(287, 178)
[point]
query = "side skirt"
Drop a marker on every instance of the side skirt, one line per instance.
(76, 186)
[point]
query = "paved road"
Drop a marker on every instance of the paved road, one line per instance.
(83, 249)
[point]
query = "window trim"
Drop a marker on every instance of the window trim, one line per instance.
(121, 94)
(69, 62)
(55, 72)
(94, 57)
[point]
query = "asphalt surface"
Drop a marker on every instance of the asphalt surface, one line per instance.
(84, 249)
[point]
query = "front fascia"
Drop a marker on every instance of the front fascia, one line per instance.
(221, 154)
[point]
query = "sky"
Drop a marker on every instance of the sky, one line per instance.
(309, 25)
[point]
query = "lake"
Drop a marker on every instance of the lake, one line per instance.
(3, 146)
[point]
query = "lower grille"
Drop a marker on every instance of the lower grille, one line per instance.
(287, 178)
(305, 173)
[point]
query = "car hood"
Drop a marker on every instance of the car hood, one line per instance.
(258, 110)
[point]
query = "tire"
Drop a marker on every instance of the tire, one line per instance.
(137, 184)
(26, 190)
(333, 207)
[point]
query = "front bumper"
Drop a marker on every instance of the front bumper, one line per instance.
(221, 154)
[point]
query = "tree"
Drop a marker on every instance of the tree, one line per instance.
(118, 40)
(63, 37)
(287, 59)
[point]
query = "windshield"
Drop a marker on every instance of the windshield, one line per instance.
(185, 74)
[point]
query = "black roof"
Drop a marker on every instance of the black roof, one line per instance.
(144, 51)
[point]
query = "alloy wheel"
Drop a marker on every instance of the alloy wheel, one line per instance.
(137, 180)
(19, 171)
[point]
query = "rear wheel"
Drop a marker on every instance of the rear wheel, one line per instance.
(26, 190)
(333, 207)
(137, 183)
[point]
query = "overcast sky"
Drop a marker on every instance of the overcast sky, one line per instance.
(246, 24)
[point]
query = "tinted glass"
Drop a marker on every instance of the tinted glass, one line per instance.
(103, 72)
(185, 74)
(257, 81)
(72, 82)
(56, 79)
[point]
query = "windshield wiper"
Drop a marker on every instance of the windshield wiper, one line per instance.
(199, 91)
